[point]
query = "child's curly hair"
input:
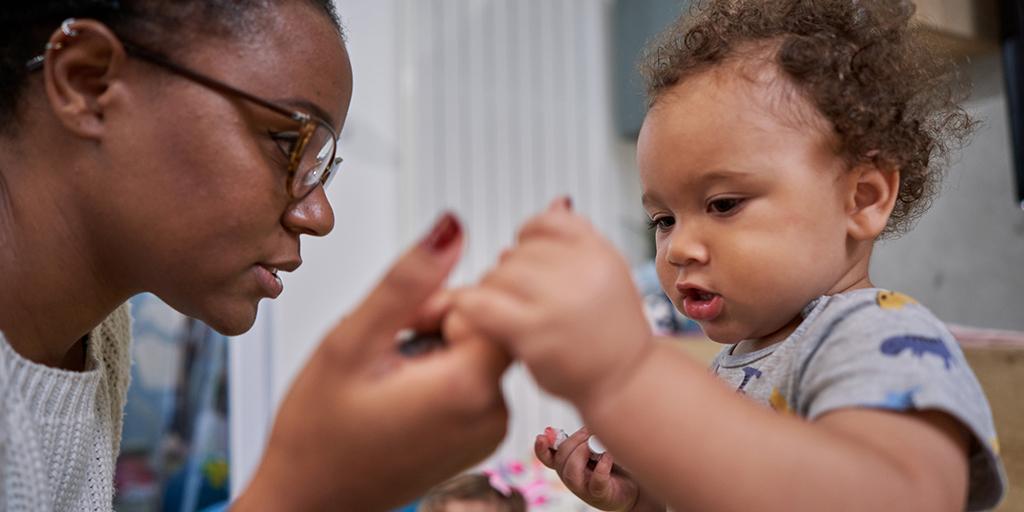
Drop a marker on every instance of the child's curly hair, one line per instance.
(890, 98)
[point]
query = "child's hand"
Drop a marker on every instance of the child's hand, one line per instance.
(598, 486)
(563, 301)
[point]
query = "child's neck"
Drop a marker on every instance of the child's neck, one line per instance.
(855, 281)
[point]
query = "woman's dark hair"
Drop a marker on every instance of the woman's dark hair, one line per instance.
(890, 98)
(163, 25)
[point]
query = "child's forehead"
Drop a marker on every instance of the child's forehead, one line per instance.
(750, 85)
(743, 121)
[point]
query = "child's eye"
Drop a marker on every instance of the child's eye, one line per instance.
(660, 223)
(724, 205)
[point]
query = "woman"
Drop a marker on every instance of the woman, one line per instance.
(182, 148)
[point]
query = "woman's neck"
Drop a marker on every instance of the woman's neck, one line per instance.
(54, 291)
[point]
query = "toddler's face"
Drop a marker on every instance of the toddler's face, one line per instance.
(746, 197)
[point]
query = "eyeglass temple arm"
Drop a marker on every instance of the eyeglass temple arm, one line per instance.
(36, 63)
(158, 60)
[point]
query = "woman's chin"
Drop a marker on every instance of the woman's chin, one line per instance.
(231, 321)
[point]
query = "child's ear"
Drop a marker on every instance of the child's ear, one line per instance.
(871, 196)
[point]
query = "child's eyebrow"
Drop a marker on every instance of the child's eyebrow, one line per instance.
(700, 183)
(721, 175)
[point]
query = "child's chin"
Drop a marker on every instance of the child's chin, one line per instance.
(721, 336)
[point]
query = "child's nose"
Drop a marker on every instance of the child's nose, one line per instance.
(686, 248)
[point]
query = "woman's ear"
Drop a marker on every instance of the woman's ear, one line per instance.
(84, 59)
(871, 197)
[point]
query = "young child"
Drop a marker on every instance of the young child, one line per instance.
(471, 492)
(783, 138)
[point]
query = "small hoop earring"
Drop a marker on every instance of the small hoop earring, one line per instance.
(65, 27)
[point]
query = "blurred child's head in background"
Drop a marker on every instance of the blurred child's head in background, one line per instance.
(471, 493)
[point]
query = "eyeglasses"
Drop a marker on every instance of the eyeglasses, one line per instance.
(311, 150)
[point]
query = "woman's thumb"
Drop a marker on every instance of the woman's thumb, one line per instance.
(394, 303)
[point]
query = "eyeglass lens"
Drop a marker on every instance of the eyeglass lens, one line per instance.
(317, 164)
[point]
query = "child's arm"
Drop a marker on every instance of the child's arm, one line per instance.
(706, 448)
(563, 302)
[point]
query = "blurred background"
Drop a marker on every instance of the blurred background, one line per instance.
(491, 108)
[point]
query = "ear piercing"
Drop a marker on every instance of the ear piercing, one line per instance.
(69, 32)
(65, 27)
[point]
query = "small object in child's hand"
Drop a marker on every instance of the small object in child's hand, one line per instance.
(593, 444)
(596, 448)
(559, 439)
(412, 343)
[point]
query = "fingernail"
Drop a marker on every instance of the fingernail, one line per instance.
(445, 231)
(561, 203)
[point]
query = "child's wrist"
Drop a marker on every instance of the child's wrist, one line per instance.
(646, 502)
(601, 392)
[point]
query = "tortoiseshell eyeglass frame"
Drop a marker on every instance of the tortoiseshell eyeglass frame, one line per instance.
(307, 123)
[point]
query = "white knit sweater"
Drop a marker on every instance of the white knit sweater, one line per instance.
(59, 430)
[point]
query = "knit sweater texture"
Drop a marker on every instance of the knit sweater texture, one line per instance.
(60, 430)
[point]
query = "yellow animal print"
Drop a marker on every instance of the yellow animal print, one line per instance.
(894, 300)
(779, 402)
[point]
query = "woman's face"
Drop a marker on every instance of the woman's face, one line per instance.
(193, 203)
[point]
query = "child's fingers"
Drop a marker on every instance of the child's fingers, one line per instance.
(492, 313)
(558, 223)
(542, 448)
(504, 256)
(574, 471)
(433, 312)
(569, 445)
(600, 484)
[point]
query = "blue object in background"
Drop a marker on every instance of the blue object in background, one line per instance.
(174, 450)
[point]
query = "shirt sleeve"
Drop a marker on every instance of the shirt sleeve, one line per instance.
(897, 356)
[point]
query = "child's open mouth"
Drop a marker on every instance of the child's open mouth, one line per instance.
(701, 305)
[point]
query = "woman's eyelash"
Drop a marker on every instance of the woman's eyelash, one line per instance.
(285, 140)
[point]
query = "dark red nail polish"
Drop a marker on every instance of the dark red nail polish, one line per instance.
(567, 201)
(445, 231)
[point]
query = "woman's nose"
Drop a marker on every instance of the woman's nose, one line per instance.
(311, 215)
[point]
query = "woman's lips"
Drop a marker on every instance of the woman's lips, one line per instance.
(269, 281)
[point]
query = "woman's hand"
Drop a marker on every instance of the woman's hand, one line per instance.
(365, 428)
(603, 484)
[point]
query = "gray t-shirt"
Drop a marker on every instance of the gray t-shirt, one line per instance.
(876, 349)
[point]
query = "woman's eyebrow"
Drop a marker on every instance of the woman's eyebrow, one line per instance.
(310, 107)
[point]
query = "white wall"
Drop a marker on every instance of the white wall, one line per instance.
(965, 258)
